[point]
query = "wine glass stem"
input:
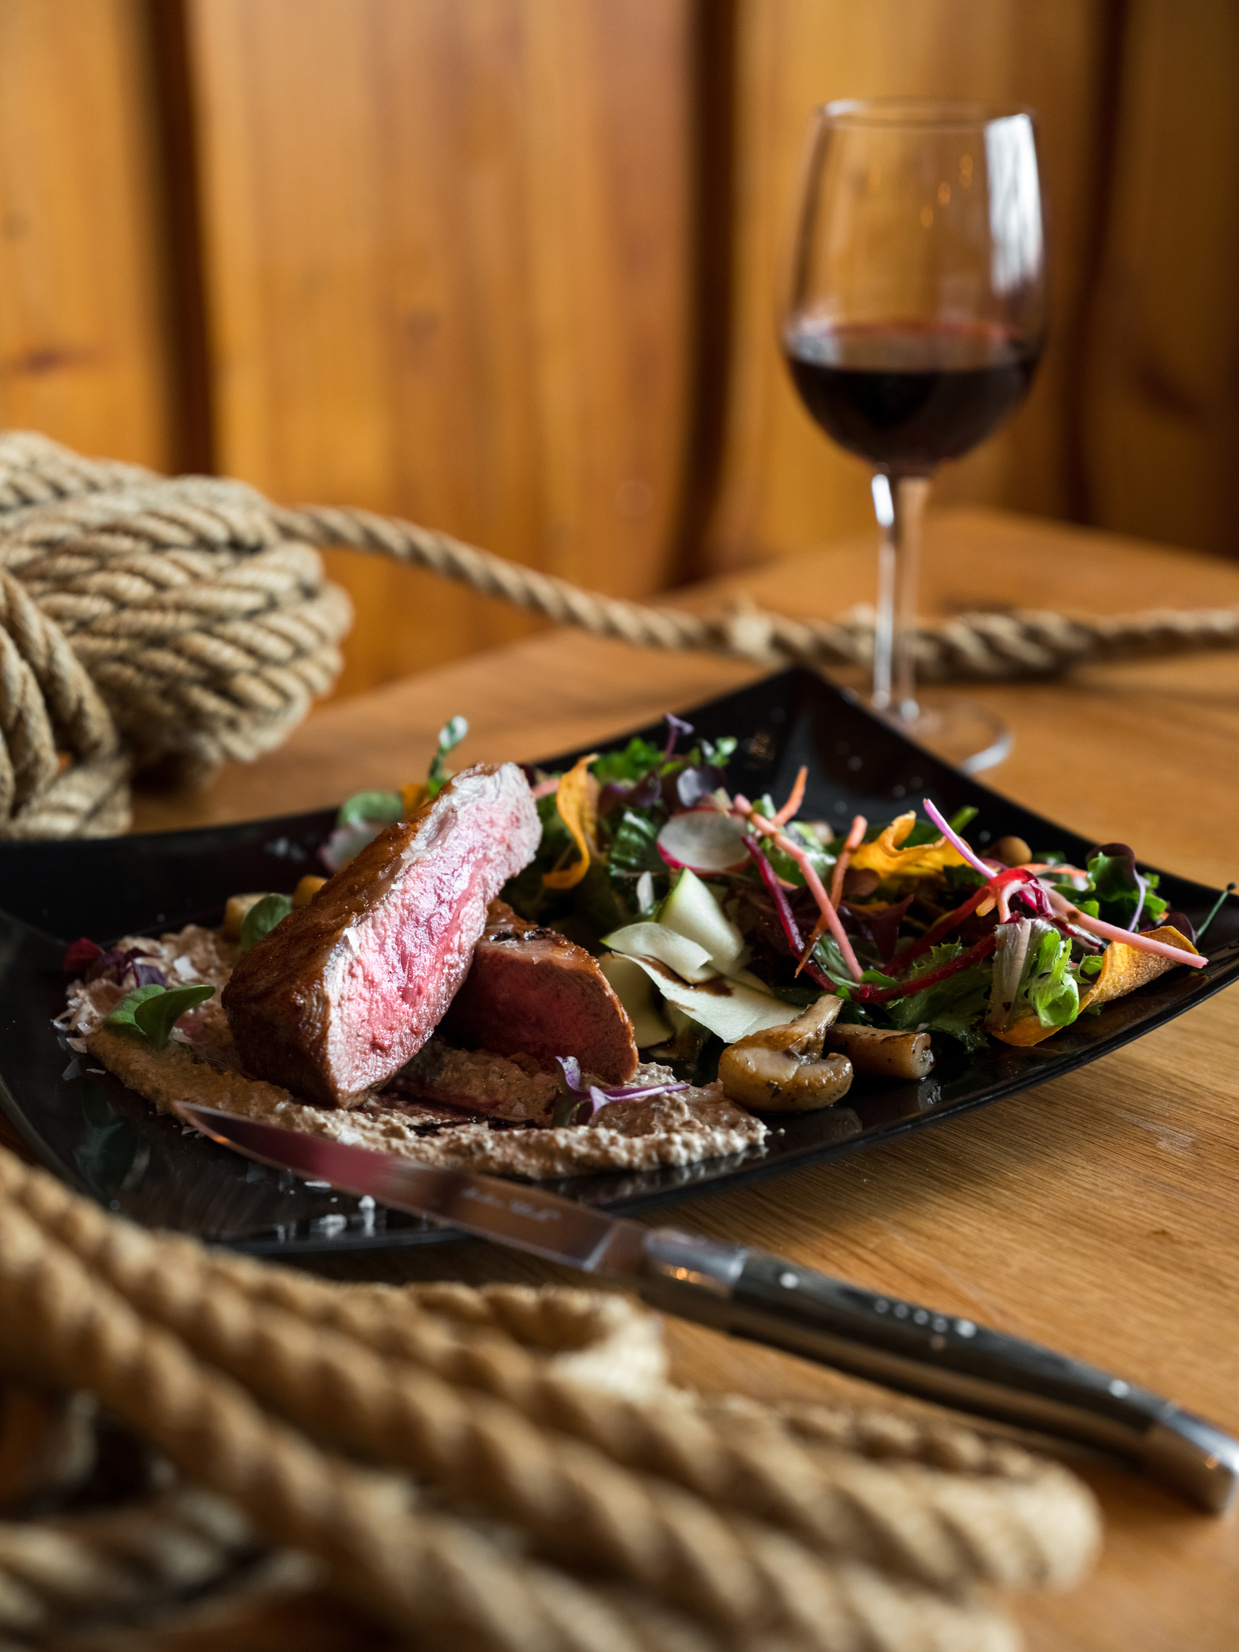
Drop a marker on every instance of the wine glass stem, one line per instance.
(899, 504)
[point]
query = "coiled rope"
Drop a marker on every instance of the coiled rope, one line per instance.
(503, 1470)
(153, 623)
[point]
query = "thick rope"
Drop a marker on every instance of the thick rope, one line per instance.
(137, 1554)
(1022, 1522)
(170, 624)
(627, 1519)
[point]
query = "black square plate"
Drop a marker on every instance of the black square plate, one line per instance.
(107, 1142)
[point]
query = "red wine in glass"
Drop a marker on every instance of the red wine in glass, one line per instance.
(913, 318)
(908, 396)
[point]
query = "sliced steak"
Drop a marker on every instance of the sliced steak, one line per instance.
(533, 992)
(341, 993)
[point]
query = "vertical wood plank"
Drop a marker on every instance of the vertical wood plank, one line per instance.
(83, 341)
(785, 486)
(447, 272)
(1161, 411)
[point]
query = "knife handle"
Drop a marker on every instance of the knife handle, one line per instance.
(937, 1356)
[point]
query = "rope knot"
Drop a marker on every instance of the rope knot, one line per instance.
(148, 625)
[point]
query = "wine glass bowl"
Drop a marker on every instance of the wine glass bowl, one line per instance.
(915, 315)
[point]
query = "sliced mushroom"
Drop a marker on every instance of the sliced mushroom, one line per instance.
(883, 1052)
(783, 1070)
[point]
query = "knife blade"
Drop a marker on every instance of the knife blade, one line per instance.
(749, 1293)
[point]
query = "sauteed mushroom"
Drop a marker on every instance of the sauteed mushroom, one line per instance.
(882, 1051)
(783, 1070)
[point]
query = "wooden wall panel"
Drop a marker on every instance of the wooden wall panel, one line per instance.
(83, 342)
(1161, 433)
(785, 486)
(447, 266)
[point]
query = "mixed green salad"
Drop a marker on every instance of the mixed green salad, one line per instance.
(718, 914)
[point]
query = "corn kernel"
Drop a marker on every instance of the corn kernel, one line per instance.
(307, 889)
(234, 913)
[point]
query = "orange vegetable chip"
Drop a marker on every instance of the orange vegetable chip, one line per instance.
(412, 797)
(1025, 1032)
(1124, 967)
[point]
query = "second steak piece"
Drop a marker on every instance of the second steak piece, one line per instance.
(533, 992)
(341, 993)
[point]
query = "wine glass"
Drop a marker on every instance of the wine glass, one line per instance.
(913, 323)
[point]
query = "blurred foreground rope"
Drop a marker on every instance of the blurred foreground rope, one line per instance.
(154, 623)
(497, 1470)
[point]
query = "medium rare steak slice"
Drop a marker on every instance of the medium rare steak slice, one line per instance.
(340, 995)
(531, 991)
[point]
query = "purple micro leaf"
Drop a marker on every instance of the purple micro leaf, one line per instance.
(598, 1099)
(570, 1108)
(692, 785)
(676, 726)
(571, 1068)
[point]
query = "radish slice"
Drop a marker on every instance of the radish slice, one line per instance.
(704, 840)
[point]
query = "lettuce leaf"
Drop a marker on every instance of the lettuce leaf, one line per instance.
(1048, 983)
(1117, 885)
(820, 858)
(955, 1006)
(637, 759)
(1032, 974)
(634, 844)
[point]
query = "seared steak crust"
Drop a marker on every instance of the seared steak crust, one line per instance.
(341, 994)
(531, 991)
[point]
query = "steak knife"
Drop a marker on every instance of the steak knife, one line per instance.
(749, 1293)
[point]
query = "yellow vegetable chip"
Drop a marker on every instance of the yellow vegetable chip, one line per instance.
(888, 860)
(577, 802)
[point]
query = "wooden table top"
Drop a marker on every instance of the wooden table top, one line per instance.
(1099, 1213)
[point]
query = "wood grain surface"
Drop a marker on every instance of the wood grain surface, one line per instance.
(447, 275)
(84, 346)
(1161, 408)
(1098, 1213)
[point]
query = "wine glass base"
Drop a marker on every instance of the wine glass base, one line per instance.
(961, 732)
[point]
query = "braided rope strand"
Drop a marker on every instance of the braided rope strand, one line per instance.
(1020, 1522)
(183, 622)
(427, 1571)
(431, 1574)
